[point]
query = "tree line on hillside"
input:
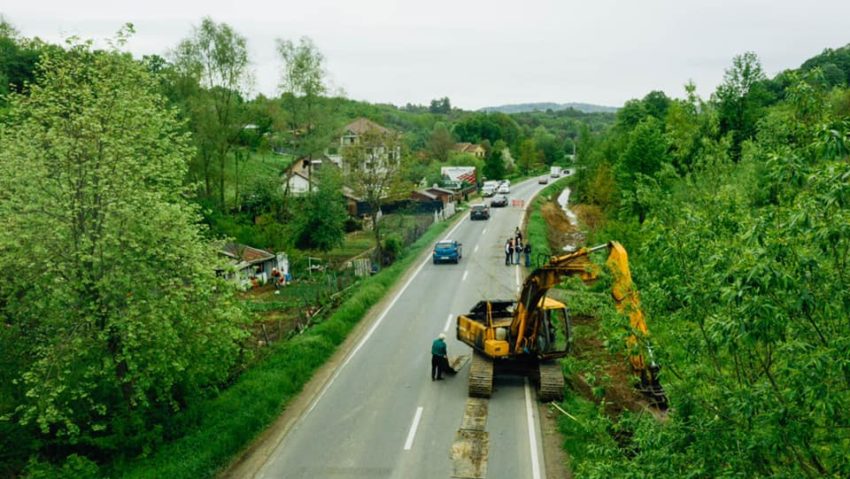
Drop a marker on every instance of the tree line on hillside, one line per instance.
(736, 210)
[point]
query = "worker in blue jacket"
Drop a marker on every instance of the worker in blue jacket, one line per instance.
(439, 358)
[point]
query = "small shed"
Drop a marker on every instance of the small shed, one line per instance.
(442, 194)
(253, 265)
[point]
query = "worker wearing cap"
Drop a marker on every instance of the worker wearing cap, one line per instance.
(438, 356)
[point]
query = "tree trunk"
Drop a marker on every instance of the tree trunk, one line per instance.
(236, 179)
(376, 229)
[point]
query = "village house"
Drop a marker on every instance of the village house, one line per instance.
(475, 150)
(299, 176)
(442, 194)
(352, 134)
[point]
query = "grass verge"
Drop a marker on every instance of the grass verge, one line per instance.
(536, 229)
(221, 427)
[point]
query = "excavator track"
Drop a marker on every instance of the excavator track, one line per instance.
(480, 376)
(550, 386)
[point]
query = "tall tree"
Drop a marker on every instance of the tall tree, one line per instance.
(106, 280)
(441, 106)
(644, 156)
(441, 142)
(494, 164)
(18, 58)
(374, 169)
(740, 99)
(216, 58)
(321, 223)
(303, 84)
(551, 150)
(529, 156)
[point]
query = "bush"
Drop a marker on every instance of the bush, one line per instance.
(393, 245)
(352, 224)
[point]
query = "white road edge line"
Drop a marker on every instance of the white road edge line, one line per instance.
(484, 231)
(532, 435)
(448, 322)
(517, 278)
(476, 249)
(410, 435)
(374, 327)
(465, 274)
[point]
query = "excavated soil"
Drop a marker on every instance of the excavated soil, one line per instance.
(618, 391)
(561, 232)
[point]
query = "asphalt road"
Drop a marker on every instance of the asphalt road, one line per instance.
(381, 416)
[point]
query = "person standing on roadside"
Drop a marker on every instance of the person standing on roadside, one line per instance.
(527, 251)
(509, 251)
(439, 356)
(518, 251)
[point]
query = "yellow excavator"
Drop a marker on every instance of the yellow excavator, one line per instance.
(528, 335)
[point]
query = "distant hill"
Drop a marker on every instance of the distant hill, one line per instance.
(524, 107)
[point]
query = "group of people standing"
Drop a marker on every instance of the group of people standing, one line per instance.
(514, 249)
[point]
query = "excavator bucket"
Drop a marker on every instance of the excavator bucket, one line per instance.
(458, 362)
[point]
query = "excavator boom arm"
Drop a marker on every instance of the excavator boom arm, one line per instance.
(541, 280)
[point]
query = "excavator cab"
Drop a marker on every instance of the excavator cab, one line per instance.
(555, 338)
(487, 328)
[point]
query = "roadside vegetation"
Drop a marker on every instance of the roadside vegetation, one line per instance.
(734, 210)
(221, 427)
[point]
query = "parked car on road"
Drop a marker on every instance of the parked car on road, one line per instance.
(448, 250)
(499, 201)
(479, 212)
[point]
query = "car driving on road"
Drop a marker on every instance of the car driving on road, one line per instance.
(499, 201)
(447, 251)
(479, 212)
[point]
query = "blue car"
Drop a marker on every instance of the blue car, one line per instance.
(448, 250)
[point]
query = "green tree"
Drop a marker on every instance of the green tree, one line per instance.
(494, 164)
(442, 106)
(684, 120)
(643, 157)
(18, 59)
(551, 150)
(321, 222)
(108, 290)
(303, 84)
(741, 98)
(215, 58)
(441, 142)
(374, 167)
(529, 156)
(656, 104)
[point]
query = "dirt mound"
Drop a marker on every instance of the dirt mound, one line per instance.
(612, 381)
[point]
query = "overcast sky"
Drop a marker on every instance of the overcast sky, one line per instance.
(479, 53)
